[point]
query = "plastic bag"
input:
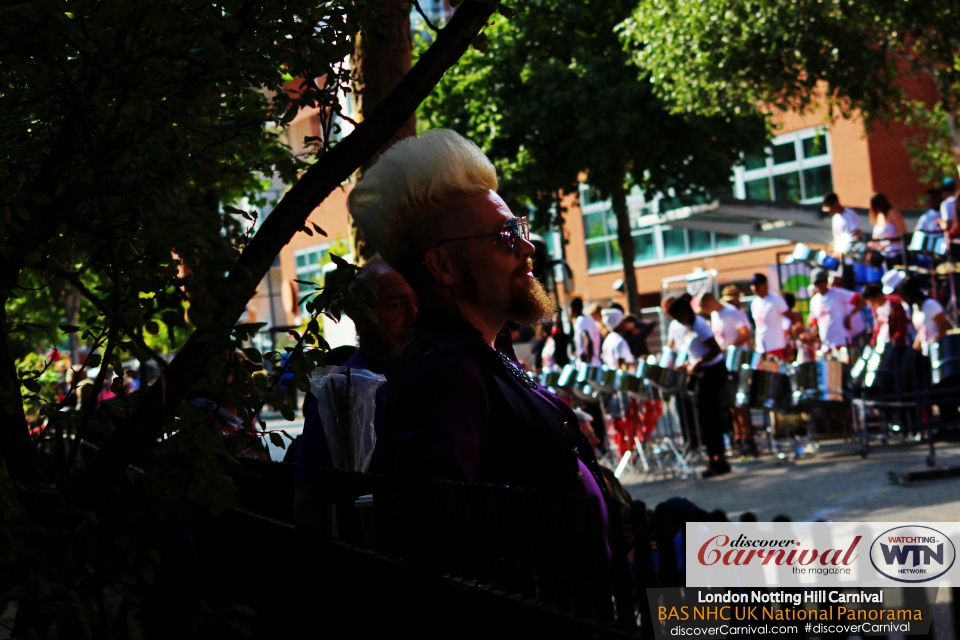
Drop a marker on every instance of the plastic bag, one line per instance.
(346, 400)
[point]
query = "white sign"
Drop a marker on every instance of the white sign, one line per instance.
(822, 554)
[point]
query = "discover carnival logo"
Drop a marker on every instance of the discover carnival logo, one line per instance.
(822, 554)
(912, 553)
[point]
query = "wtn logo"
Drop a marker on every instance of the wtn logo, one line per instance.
(900, 553)
(912, 554)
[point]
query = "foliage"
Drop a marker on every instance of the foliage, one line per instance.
(715, 56)
(554, 94)
(123, 126)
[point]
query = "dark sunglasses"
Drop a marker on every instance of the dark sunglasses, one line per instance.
(511, 233)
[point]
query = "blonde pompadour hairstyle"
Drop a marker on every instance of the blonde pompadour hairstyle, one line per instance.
(411, 181)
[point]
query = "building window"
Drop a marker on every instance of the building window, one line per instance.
(795, 168)
(652, 242)
(309, 265)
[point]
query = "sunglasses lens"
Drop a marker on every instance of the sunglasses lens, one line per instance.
(513, 230)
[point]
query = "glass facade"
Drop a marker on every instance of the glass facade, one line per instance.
(651, 242)
(796, 168)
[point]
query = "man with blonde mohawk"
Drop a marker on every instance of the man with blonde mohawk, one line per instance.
(460, 407)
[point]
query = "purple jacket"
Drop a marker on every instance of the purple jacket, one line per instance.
(460, 414)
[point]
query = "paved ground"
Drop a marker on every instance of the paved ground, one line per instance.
(834, 484)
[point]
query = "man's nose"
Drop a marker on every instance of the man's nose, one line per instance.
(526, 248)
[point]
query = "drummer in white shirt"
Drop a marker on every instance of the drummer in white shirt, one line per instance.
(615, 351)
(832, 310)
(706, 362)
(932, 324)
(929, 222)
(768, 310)
(730, 325)
(731, 328)
(928, 315)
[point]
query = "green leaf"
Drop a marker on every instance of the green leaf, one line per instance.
(69, 328)
(287, 412)
(253, 355)
(276, 440)
(306, 230)
(31, 384)
(318, 229)
(93, 360)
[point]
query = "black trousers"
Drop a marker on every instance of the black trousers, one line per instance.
(710, 412)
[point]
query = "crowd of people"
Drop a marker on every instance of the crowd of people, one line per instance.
(454, 277)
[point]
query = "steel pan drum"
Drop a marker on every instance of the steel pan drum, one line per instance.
(887, 369)
(859, 371)
(945, 358)
(630, 384)
(738, 358)
(801, 252)
(825, 260)
(605, 379)
(928, 242)
(585, 386)
(567, 378)
(820, 381)
(549, 379)
(762, 389)
(648, 370)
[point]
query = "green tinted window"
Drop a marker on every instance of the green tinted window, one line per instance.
(700, 241)
(644, 249)
(597, 255)
(755, 162)
(758, 189)
(817, 182)
(815, 146)
(787, 187)
(593, 226)
(674, 243)
(725, 241)
(783, 153)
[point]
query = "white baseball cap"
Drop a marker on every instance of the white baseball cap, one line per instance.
(611, 318)
(891, 280)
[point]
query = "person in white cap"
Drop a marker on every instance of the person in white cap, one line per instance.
(831, 311)
(891, 322)
(615, 351)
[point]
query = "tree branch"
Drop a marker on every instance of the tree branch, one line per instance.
(74, 280)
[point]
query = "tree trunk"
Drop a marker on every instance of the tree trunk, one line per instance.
(160, 401)
(16, 447)
(382, 55)
(618, 197)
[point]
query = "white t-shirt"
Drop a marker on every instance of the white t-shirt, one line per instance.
(586, 324)
(846, 222)
(829, 310)
(675, 334)
(928, 222)
(615, 348)
(695, 341)
(923, 321)
(948, 209)
(726, 324)
(768, 315)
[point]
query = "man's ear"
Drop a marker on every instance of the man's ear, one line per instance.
(440, 266)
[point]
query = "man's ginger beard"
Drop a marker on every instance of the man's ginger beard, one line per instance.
(529, 304)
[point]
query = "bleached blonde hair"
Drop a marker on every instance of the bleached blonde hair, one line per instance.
(409, 183)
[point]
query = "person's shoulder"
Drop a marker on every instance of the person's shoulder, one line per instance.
(445, 369)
